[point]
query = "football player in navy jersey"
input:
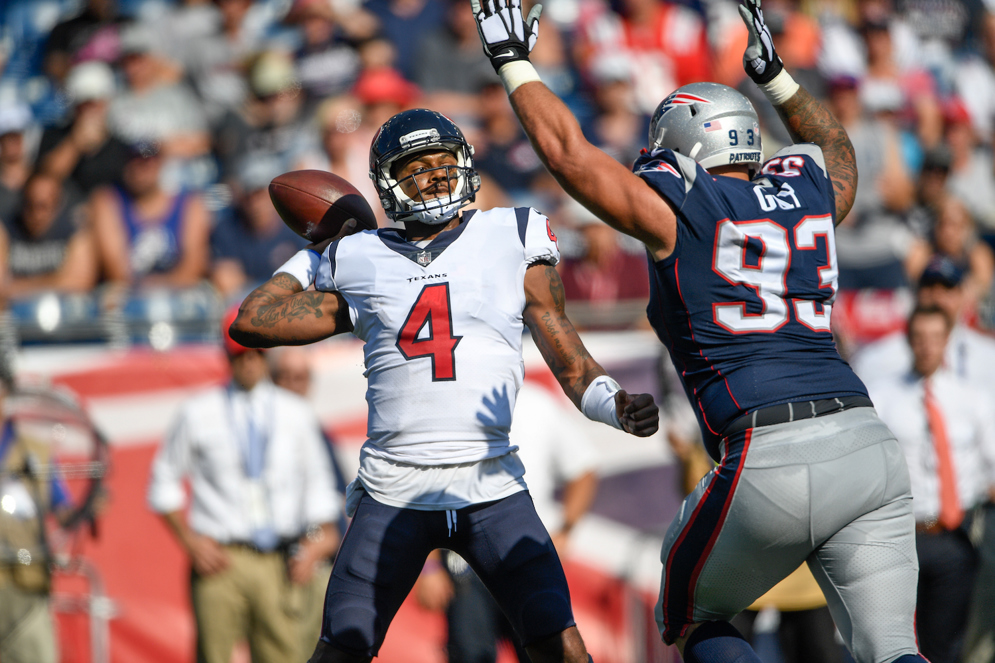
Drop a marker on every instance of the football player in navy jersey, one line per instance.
(743, 276)
(441, 306)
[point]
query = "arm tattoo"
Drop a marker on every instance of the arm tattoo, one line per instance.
(298, 307)
(272, 309)
(559, 343)
(811, 122)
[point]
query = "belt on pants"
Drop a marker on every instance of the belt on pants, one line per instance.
(251, 547)
(787, 412)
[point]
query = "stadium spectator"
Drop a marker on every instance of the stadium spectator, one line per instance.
(27, 631)
(290, 368)
(972, 171)
(83, 150)
(940, 28)
(930, 190)
(873, 242)
(946, 428)
(15, 158)
(48, 245)
(183, 23)
(260, 484)
(450, 67)
(156, 106)
(327, 61)
(665, 42)
(380, 87)
(558, 456)
(146, 236)
(970, 354)
(914, 89)
(96, 22)
(617, 127)
(953, 235)
(345, 136)
(403, 22)
(503, 150)
(270, 124)
(251, 241)
(214, 58)
(974, 80)
(610, 276)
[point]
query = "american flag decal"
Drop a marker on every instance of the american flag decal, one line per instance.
(714, 125)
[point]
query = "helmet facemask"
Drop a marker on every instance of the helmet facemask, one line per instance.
(464, 182)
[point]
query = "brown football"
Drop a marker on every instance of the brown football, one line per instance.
(315, 204)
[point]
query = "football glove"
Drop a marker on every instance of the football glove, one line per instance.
(506, 36)
(760, 60)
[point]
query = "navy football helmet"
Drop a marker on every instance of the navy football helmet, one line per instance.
(421, 130)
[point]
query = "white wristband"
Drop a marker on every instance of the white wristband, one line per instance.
(781, 88)
(517, 73)
(303, 266)
(598, 402)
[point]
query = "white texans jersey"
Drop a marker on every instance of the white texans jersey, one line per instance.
(443, 331)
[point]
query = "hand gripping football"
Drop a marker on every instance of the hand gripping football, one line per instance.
(315, 204)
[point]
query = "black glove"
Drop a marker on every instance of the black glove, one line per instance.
(762, 64)
(505, 35)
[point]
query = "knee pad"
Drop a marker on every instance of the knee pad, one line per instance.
(718, 642)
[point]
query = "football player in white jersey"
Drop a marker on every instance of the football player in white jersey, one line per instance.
(441, 306)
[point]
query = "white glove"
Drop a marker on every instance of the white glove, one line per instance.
(506, 36)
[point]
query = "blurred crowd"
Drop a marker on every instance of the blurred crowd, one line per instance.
(137, 137)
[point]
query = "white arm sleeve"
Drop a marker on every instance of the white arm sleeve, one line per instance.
(303, 266)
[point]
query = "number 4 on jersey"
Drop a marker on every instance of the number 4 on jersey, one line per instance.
(431, 309)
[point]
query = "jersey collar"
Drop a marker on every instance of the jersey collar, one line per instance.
(393, 239)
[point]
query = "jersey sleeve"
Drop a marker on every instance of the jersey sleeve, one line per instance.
(537, 236)
(803, 160)
(324, 278)
(671, 174)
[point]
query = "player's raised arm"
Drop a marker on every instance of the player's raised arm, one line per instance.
(808, 120)
(282, 312)
(583, 380)
(592, 177)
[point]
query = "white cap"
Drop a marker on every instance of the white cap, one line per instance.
(89, 81)
(14, 117)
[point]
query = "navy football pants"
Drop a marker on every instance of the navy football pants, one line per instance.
(385, 548)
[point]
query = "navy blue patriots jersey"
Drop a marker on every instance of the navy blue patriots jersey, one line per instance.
(743, 303)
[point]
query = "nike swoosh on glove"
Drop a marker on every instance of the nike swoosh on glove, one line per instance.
(760, 60)
(506, 36)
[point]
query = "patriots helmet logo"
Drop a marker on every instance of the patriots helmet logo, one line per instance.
(680, 99)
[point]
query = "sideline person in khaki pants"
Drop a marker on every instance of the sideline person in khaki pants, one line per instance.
(290, 368)
(262, 514)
